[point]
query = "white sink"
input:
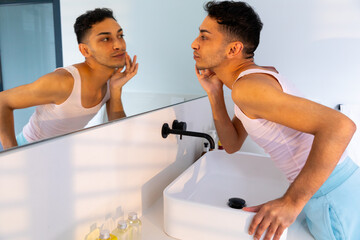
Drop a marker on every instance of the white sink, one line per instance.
(195, 204)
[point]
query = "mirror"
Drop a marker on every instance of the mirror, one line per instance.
(155, 31)
(312, 43)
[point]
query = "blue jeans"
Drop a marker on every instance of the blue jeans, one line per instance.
(333, 213)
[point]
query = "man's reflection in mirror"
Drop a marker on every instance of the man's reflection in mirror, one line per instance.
(68, 98)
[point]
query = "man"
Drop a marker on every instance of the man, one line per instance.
(304, 139)
(69, 97)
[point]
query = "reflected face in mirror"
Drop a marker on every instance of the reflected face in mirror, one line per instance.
(105, 44)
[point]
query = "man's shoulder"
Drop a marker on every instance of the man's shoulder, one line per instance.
(254, 86)
(59, 80)
(61, 73)
(249, 83)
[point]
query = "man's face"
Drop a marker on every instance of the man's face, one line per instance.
(209, 47)
(106, 43)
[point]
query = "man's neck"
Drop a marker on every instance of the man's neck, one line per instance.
(230, 71)
(96, 73)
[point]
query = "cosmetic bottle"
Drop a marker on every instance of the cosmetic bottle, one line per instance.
(220, 146)
(135, 226)
(93, 234)
(106, 235)
(122, 231)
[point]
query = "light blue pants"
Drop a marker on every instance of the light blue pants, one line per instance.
(21, 140)
(333, 213)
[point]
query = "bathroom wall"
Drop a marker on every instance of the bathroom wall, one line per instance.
(313, 43)
(60, 187)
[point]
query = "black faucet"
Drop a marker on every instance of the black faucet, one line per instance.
(179, 128)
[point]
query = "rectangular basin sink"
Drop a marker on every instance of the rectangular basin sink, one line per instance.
(195, 204)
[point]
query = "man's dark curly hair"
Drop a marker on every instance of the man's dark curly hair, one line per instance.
(239, 21)
(85, 22)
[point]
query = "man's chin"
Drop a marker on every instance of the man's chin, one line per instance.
(117, 66)
(120, 66)
(199, 67)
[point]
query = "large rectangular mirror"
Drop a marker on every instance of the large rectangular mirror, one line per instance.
(313, 43)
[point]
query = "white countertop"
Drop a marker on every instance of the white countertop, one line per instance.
(152, 228)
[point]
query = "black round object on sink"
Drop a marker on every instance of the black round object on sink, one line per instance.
(237, 203)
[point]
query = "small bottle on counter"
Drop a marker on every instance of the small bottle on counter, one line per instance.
(93, 234)
(122, 231)
(106, 235)
(135, 226)
(220, 146)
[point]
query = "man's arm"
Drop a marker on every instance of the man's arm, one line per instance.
(51, 88)
(257, 96)
(231, 133)
(114, 106)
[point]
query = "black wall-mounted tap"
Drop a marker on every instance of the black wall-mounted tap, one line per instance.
(179, 128)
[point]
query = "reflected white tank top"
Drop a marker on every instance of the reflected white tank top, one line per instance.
(51, 120)
(288, 148)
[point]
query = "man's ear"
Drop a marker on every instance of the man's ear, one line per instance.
(234, 49)
(84, 49)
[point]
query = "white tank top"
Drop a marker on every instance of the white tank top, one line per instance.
(51, 120)
(288, 148)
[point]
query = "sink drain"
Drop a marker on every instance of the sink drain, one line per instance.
(237, 203)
